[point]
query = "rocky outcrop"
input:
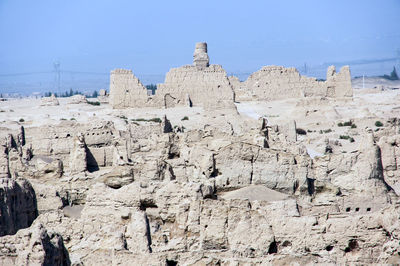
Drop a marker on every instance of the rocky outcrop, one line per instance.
(4, 165)
(49, 101)
(77, 99)
(78, 162)
(18, 208)
(119, 177)
(33, 246)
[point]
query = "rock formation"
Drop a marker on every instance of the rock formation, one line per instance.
(103, 96)
(78, 161)
(77, 99)
(49, 101)
(17, 205)
(33, 246)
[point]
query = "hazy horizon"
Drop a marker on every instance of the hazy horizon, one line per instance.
(90, 38)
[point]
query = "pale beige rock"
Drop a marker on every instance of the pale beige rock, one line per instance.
(119, 176)
(78, 162)
(33, 246)
(254, 192)
(208, 87)
(126, 90)
(47, 167)
(49, 101)
(200, 56)
(4, 167)
(276, 82)
(77, 99)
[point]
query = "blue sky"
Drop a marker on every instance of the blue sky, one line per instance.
(150, 37)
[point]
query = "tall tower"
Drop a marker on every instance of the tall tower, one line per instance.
(200, 56)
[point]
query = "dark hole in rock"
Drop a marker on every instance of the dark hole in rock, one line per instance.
(348, 209)
(310, 186)
(170, 262)
(165, 238)
(353, 244)
(286, 243)
(329, 248)
(368, 209)
(173, 155)
(144, 204)
(273, 248)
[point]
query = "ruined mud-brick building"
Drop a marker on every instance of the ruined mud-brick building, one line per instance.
(202, 84)
(277, 82)
(126, 90)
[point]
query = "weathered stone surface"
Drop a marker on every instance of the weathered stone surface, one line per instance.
(310, 179)
(119, 176)
(126, 90)
(4, 167)
(33, 246)
(49, 101)
(208, 87)
(200, 56)
(78, 161)
(202, 84)
(77, 99)
(18, 206)
(276, 82)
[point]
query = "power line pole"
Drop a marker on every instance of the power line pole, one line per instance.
(57, 71)
(363, 82)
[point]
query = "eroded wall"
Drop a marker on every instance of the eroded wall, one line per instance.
(277, 82)
(126, 90)
(208, 86)
(188, 85)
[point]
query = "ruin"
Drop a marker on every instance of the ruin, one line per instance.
(202, 84)
(277, 169)
(276, 82)
(200, 56)
(126, 90)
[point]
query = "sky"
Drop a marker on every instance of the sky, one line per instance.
(150, 37)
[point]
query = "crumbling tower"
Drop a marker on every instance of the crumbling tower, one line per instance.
(200, 56)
